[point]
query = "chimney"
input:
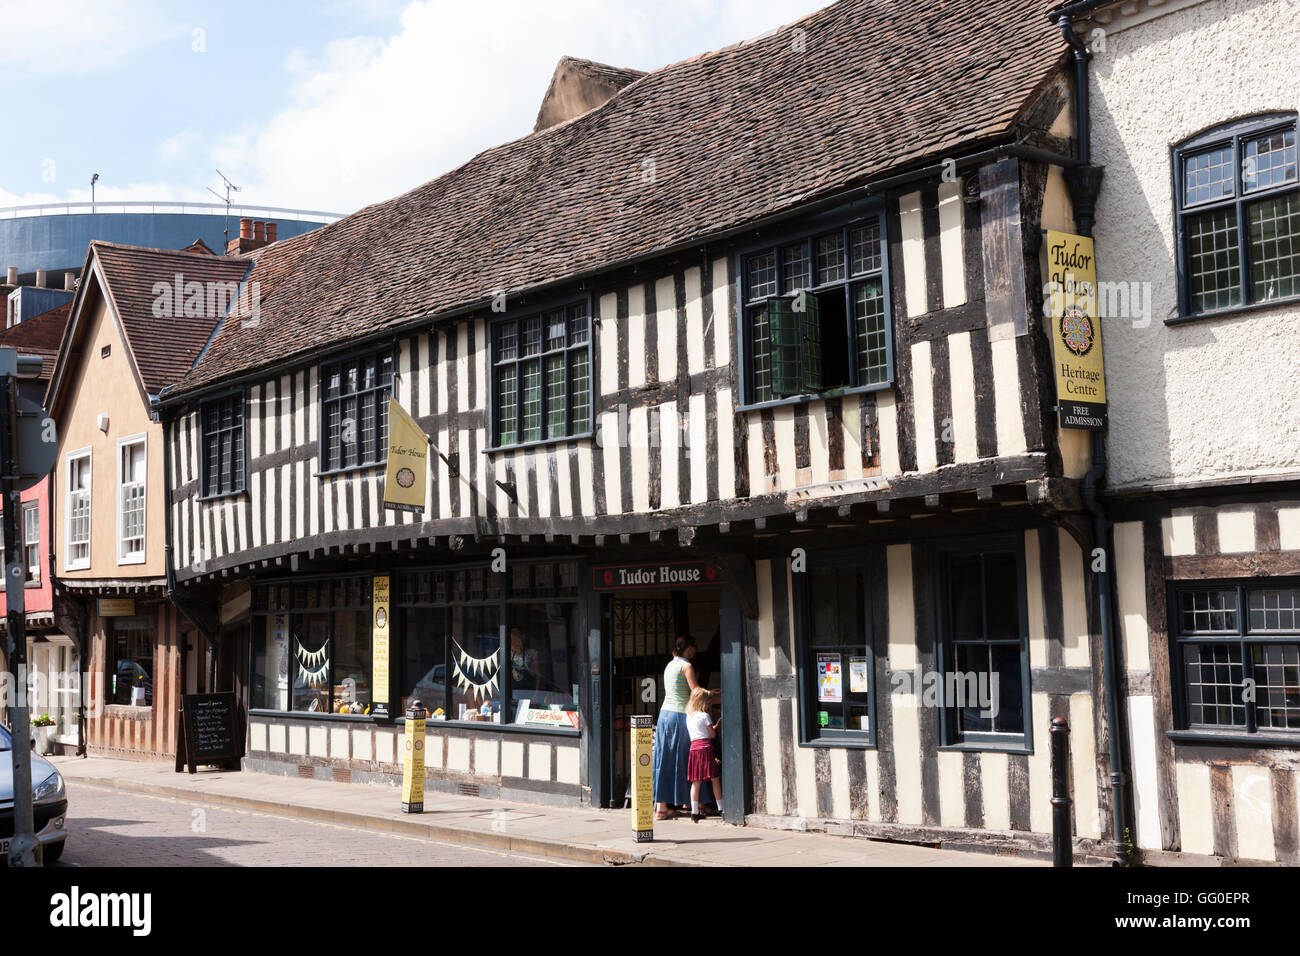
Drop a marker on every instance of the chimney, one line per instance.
(245, 229)
(270, 232)
(41, 277)
(259, 231)
(12, 277)
(69, 282)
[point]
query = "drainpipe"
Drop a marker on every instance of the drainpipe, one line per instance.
(1084, 180)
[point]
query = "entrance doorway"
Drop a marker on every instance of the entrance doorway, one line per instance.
(642, 626)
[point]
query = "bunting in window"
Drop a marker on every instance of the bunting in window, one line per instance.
(313, 666)
(466, 668)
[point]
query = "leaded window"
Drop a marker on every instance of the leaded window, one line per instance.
(815, 314)
(1238, 204)
(1237, 666)
(223, 445)
(541, 375)
(354, 410)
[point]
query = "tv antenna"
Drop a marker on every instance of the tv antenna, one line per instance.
(229, 187)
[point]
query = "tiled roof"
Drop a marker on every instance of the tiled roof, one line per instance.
(164, 346)
(39, 336)
(825, 104)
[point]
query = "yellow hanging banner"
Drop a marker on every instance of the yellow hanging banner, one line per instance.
(408, 461)
(1075, 331)
(643, 788)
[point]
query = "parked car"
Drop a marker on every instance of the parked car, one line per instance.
(49, 796)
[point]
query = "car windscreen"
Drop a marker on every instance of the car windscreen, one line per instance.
(6, 742)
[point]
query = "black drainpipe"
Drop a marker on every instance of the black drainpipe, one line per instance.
(1084, 180)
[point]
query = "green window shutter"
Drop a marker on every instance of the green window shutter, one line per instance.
(810, 319)
(786, 337)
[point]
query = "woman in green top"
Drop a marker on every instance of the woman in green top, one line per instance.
(672, 742)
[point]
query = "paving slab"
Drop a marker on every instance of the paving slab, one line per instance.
(575, 833)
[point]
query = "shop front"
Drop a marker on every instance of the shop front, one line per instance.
(495, 658)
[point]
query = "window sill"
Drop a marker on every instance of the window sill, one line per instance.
(522, 446)
(978, 746)
(129, 711)
(83, 566)
(848, 743)
(241, 493)
(351, 469)
(814, 397)
(1233, 738)
(124, 562)
(32, 583)
(1233, 311)
(429, 723)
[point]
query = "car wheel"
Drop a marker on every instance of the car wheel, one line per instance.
(53, 851)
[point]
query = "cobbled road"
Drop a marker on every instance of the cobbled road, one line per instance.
(112, 828)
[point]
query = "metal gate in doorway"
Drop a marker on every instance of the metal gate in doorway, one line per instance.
(641, 645)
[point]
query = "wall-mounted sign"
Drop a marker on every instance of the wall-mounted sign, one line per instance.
(379, 646)
(408, 461)
(115, 607)
(1076, 331)
(677, 574)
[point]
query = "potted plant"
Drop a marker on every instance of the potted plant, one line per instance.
(43, 727)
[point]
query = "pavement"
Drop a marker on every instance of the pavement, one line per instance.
(580, 834)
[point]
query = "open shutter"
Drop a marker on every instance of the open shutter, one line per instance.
(810, 322)
(787, 344)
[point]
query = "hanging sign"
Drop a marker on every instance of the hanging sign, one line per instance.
(408, 461)
(1076, 331)
(379, 647)
(643, 785)
(676, 574)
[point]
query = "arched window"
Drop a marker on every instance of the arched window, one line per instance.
(1237, 199)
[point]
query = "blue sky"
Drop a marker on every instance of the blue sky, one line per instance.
(327, 105)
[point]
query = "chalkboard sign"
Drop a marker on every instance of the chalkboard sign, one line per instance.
(209, 732)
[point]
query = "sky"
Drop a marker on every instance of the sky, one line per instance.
(323, 106)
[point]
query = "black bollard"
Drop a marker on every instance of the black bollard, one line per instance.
(1062, 852)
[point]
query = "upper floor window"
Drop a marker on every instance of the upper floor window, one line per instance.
(984, 653)
(223, 445)
(815, 314)
(541, 376)
(131, 465)
(1232, 637)
(1238, 210)
(32, 540)
(78, 516)
(354, 410)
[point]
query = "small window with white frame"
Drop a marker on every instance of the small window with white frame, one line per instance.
(131, 469)
(32, 541)
(78, 516)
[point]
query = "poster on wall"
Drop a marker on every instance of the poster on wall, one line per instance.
(379, 648)
(858, 680)
(1075, 331)
(830, 679)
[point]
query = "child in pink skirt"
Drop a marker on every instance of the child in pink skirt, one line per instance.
(702, 763)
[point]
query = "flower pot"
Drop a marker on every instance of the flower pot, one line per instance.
(44, 740)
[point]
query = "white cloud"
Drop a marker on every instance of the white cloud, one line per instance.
(79, 37)
(370, 118)
(179, 145)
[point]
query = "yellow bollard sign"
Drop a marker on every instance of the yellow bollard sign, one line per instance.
(413, 759)
(643, 785)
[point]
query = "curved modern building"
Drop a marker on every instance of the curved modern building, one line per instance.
(53, 237)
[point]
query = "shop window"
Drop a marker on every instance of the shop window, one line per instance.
(837, 663)
(131, 500)
(130, 662)
(815, 314)
(984, 661)
(1237, 198)
(354, 411)
(541, 376)
(311, 652)
(78, 516)
(1235, 637)
(542, 660)
(223, 445)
